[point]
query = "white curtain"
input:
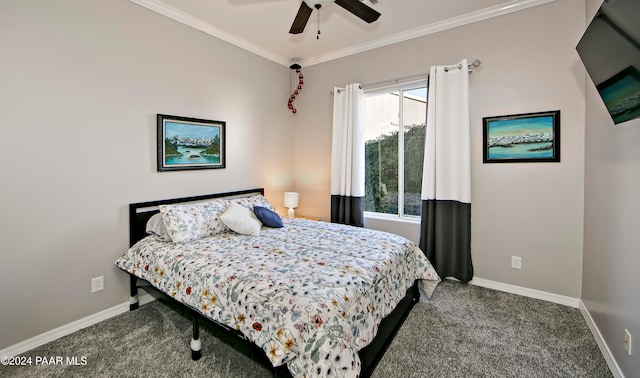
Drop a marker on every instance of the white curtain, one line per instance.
(446, 184)
(347, 156)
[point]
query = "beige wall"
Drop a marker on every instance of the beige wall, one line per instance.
(529, 64)
(80, 85)
(612, 205)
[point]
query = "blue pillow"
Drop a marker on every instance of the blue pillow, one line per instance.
(268, 217)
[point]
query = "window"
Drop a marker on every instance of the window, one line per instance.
(394, 149)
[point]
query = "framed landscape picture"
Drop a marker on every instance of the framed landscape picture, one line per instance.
(520, 138)
(190, 143)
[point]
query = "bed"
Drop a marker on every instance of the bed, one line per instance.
(312, 298)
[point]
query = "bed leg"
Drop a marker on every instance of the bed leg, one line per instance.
(416, 293)
(196, 345)
(133, 292)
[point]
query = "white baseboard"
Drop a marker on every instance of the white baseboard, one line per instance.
(526, 292)
(604, 348)
(36, 341)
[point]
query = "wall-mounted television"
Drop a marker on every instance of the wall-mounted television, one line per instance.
(610, 51)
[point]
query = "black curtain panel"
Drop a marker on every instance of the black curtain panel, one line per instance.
(445, 237)
(347, 210)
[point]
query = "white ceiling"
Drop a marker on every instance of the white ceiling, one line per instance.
(262, 26)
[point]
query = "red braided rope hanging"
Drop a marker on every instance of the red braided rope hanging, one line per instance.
(295, 93)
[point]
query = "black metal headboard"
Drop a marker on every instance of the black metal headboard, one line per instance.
(140, 212)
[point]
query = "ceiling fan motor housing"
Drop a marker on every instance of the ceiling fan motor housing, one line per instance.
(318, 3)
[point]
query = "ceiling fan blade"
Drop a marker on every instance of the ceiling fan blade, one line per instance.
(359, 9)
(301, 19)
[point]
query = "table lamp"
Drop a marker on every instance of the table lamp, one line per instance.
(290, 201)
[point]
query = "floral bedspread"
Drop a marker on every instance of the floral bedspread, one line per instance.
(311, 294)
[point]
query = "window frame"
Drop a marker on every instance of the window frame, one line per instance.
(400, 88)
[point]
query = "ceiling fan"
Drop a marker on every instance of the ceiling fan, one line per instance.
(359, 9)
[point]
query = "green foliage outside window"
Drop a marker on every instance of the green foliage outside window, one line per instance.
(381, 167)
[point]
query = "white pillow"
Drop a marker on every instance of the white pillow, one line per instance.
(240, 219)
(190, 222)
(155, 226)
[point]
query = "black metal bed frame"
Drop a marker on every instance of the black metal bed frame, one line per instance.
(139, 214)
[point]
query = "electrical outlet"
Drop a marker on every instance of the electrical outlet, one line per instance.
(516, 262)
(627, 341)
(97, 284)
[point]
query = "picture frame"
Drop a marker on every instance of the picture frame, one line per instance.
(621, 95)
(190, 143)
(522, 138)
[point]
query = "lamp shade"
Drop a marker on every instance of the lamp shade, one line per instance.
(290, 199)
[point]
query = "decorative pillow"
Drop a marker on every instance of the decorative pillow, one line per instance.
(190, 222)
(267, 217)
(252, 201)
(155, 226)
(240, 219)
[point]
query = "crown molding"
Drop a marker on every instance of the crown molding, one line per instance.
(196, 23)
(469, 18)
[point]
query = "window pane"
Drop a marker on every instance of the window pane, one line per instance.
(414, 110)
(381, 153)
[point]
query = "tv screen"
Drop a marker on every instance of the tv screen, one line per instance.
(610, 51)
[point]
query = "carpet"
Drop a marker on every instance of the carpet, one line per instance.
(463, 331)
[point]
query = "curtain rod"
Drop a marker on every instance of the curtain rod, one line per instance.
(475, 64)
(424, 75)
